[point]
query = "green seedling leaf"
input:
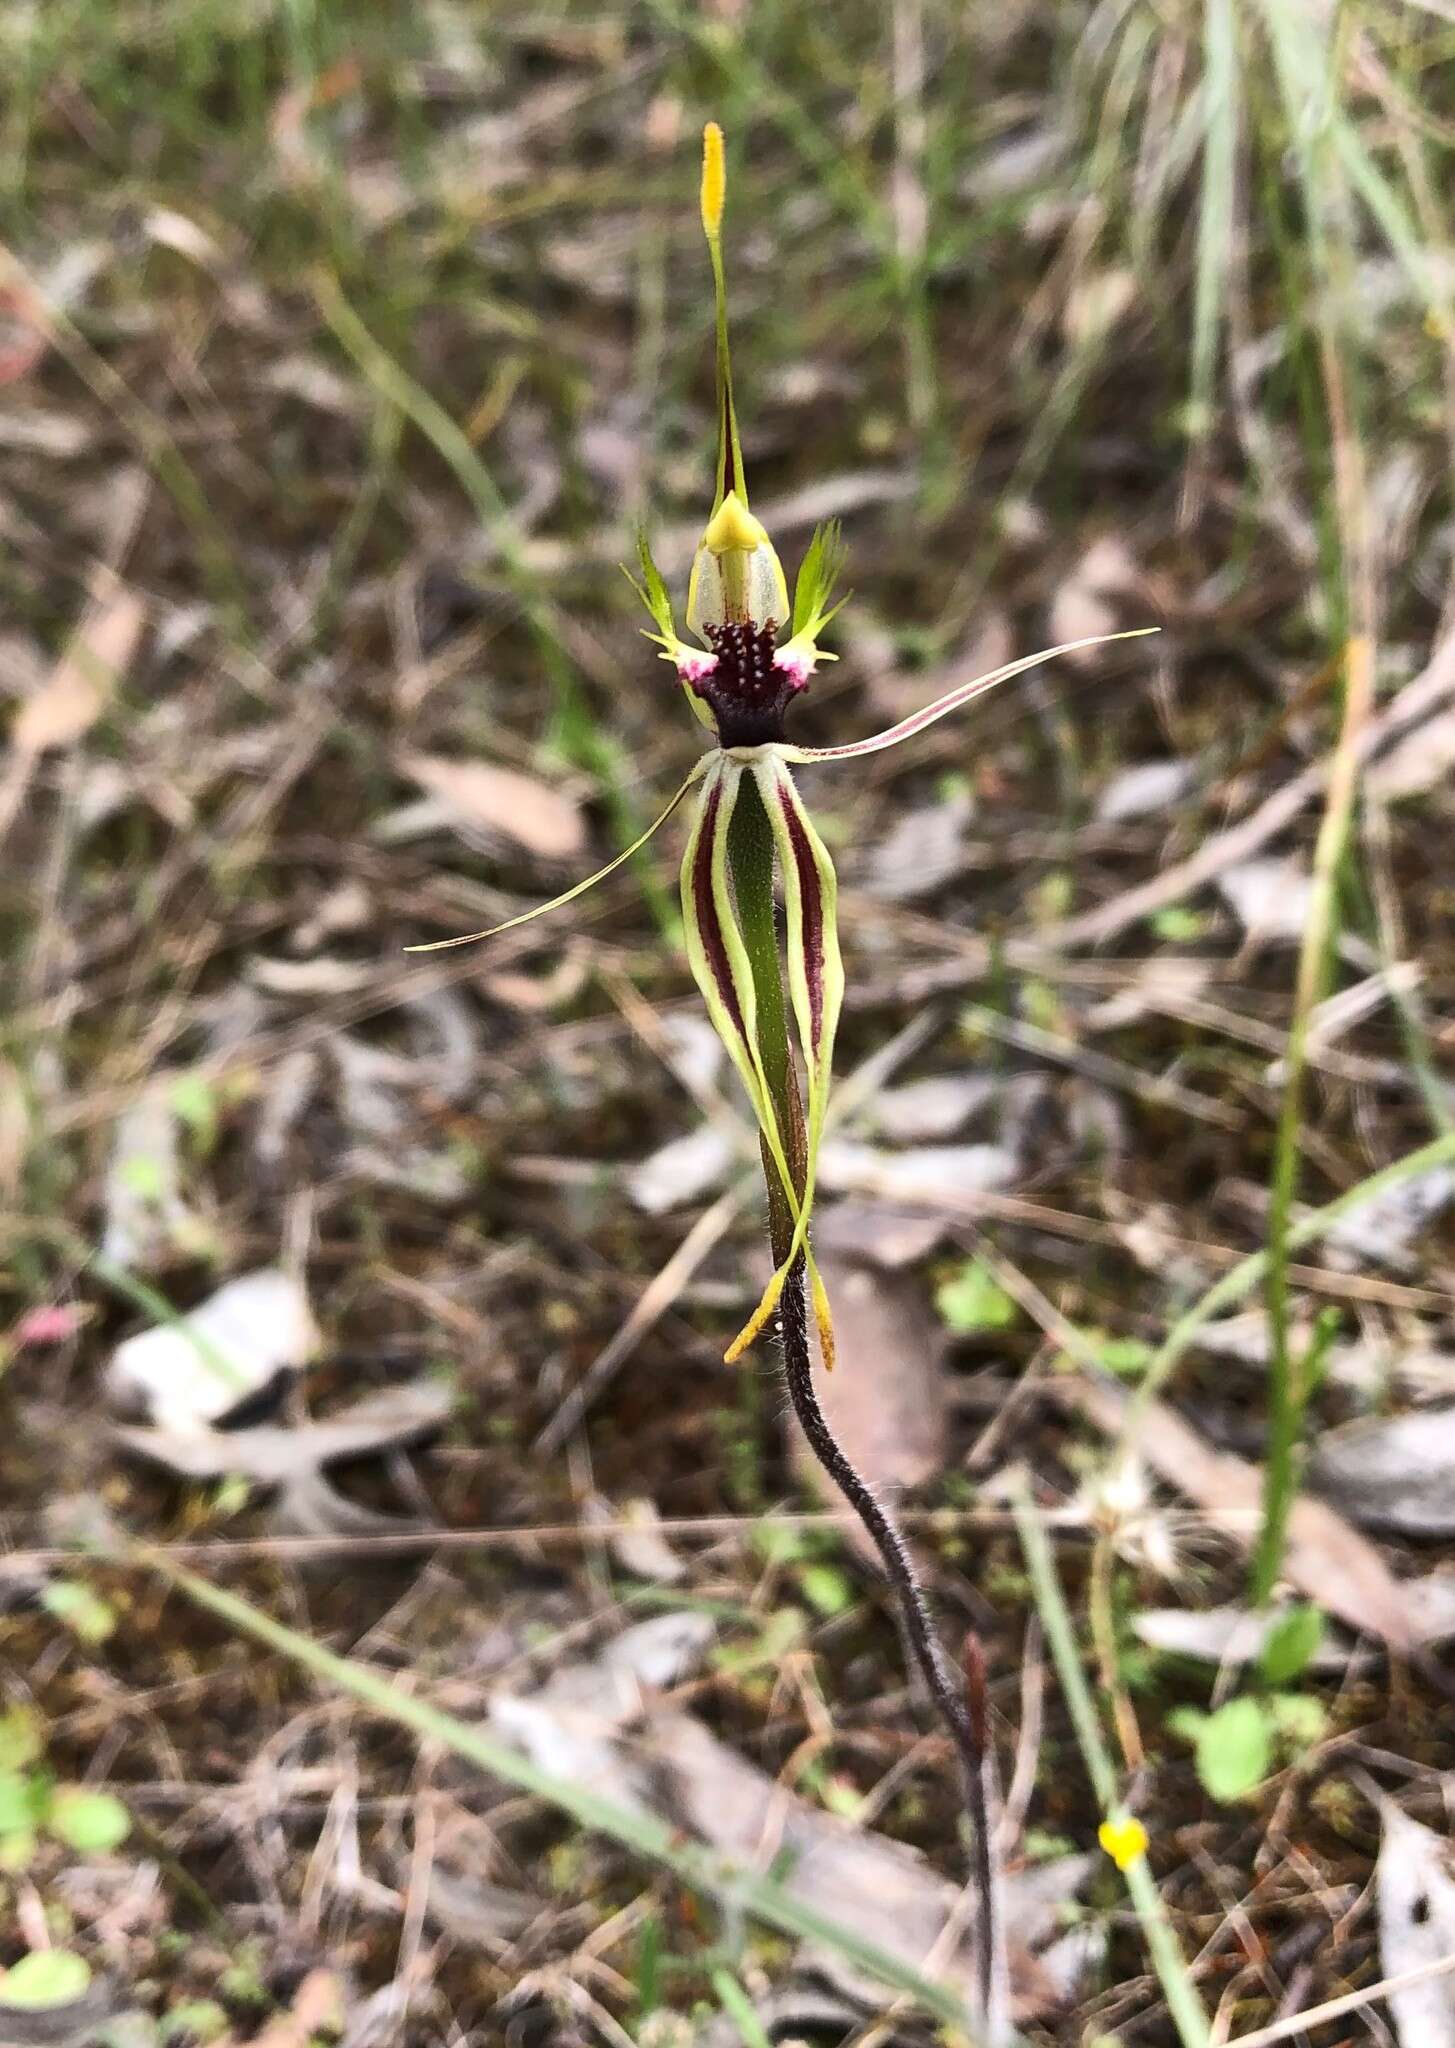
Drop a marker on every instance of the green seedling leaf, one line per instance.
(1298, 1719)
(1127, 1357)
(21, 1739)
(194, 1099)
(143, 1177)
(83, 1612)
(91, 1823)
(19, 1799)
(973, 1299)
(826, 1589)
(17, 1850)
(200, 2019)
(779, 1542)
(1234, 1750)
(782, 1632)
(1290, 1645)
(1178, 924)
(39, 1982)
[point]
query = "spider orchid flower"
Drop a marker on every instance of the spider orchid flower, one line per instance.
(750, 656)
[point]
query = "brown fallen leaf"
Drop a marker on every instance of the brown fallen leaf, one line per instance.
(603, 1721)
(885, 1398)
(862, 1880)
(275, 1454)
(76, 692)
(1325, 1558)
(484, 797)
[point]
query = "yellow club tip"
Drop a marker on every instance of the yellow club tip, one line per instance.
(1124, 1839)
(714, 181)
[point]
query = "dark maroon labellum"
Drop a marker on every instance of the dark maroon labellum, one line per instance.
(745, 693)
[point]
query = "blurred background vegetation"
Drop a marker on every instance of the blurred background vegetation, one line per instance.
(343, 347)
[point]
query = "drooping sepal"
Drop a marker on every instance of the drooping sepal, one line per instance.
(580, 888)
(730, 475)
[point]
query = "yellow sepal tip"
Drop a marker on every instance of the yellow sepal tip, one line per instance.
(714, 181)
(825, 1321)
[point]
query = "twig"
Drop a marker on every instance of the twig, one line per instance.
(1350, 2001)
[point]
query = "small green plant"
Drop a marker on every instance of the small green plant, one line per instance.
(973, 1300)
(33, 1803)
(752, 654)
(40, 1982)
(1237, 1744)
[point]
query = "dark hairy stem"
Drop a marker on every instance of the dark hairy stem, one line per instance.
(962, 1709)
(967, 1732)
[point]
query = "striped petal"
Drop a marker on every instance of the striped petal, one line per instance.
(816, 991)
(570, 895)
(952, 701)
(718, 955)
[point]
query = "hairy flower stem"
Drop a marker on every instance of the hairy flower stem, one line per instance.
(750, 853)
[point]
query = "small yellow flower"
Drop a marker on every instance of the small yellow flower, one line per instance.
(1124, 1839)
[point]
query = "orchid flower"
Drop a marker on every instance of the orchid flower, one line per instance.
(750, 657)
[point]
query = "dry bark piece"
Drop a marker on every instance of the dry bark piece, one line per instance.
(80, 685)
(938, 1106)
(926, 1174)
(682, 1171)
(1231, 1636)
(670, 1763)
(883, 1234)
(862, 1880)
(1143, 790)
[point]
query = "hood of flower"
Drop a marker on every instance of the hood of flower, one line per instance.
(733, 526)
(737, 578)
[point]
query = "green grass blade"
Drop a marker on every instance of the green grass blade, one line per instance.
(1178, 1989)
(635, 1828)
(1215, 218)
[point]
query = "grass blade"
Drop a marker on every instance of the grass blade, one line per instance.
(634, 1828)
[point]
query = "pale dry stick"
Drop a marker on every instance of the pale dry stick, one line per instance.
(1022, 1787)
(1099, 1066)
(909, 207)
(1349, 2001)
(656, 1298)
(586, 1535)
